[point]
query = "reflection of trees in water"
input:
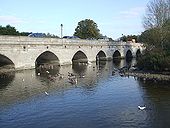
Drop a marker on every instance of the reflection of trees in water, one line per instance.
(119, 63)
(6, 79)
(156, 99)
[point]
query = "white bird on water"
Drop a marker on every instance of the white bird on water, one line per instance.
(46, 93)
(141, 107)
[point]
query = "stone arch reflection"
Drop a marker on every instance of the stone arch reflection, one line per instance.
(116, 58)
(129, 54)
(129, 58)
(79, 68)
(6, 79)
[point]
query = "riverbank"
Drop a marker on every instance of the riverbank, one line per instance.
(148, 76)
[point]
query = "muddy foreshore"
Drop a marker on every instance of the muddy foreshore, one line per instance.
(148, 75)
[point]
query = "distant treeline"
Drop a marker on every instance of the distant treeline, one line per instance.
(10, 30)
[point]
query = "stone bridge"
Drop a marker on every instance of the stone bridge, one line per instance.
(26, 52)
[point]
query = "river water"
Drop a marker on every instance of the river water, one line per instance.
(42, 99)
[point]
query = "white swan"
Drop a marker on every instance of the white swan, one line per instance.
(46, 93)
(141, 107)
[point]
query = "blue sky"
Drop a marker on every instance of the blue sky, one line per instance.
(113, 17)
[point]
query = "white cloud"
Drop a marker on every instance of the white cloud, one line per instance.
(133, 12)
(10, 20)
(15, 20)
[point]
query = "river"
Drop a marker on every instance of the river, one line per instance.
(39, 98)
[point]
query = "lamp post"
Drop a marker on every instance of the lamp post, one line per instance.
(122, 38)
(61, 30)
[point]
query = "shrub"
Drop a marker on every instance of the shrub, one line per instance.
(154, 61)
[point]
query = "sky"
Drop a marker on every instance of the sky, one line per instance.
(113, 17)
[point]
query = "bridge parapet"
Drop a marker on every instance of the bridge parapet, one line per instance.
(23, 40)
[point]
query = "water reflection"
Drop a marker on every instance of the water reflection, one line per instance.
(29, 83)
(6, 79)
(79, 68)
(157, 99)
(98, 99)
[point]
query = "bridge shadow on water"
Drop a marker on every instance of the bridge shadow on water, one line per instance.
(6, 79)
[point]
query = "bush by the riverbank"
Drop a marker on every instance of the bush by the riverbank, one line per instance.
(156, 61)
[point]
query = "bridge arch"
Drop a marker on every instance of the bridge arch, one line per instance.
(79, 57)
(116, 54)
(129, 54)
(4, 60)
(138, 53)
(47, 57)
(101, 55)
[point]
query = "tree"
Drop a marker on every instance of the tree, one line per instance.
(157, 13)
(24, 33)
(151, 37)
(87, 29)
(156, 36)
(8, 30)
(166, 30)
(129, 38)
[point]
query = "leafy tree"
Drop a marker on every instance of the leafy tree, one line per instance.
(166, 30)
(24, 33)
(48, 35)
(151, 37)
(129, 38)
(155, 60)
(8, 30)
(156, 36)
(87, 29)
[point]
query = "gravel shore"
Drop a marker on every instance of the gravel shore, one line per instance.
(148, 76)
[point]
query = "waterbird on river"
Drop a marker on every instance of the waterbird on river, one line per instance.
(141, 107)
(72, 80)
(46, 93)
